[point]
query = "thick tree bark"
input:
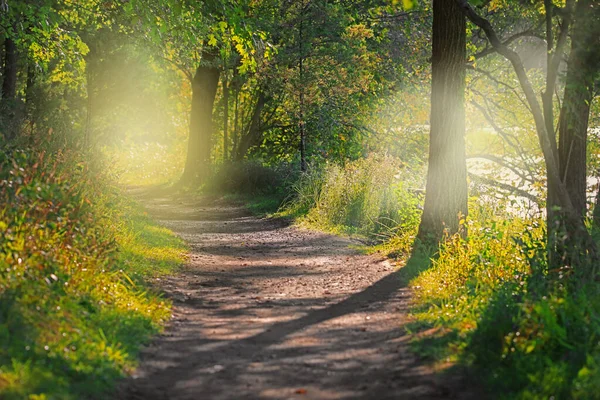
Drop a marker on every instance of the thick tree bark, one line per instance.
(446, 190)
(204, 91)
(568, 241)
(574, 116)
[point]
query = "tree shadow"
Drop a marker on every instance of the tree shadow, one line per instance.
(230, 369)
(230, 343)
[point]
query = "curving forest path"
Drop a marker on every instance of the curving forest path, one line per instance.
(264, 310)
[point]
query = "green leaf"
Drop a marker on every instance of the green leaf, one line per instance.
(212, 40)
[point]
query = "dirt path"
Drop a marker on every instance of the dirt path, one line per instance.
(268, 311)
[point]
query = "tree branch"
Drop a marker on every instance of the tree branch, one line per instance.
(395, 16)
(547, 143)
(504, 186)
(508, 41)
(499, 82)
(180, 67)
(517, 147)
(503, 163)
(554, 56)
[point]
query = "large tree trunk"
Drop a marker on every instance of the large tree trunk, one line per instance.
(204, 91)
(567, 240)
(446, 190)
(574, 116)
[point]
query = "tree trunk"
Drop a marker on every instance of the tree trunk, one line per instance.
(567, 241)
(90, 71)
(204, 91)
(596, 216)
(575, 112)
(9, 89)
(446, 190)
(236, 113)
(225, 117)
(9, 84)
(253, 134)
(301, 124)
(30, 84)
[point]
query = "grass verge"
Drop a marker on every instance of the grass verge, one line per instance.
(75, 263)
(491, 302)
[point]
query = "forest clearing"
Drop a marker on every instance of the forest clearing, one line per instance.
(311, 199)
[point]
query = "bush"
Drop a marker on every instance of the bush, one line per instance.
(73, 307)
(365, 196)
(250, 178)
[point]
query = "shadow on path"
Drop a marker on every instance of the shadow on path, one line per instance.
(268, 311)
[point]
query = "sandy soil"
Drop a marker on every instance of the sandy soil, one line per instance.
(264, 310)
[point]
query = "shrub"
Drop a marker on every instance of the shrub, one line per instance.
(250, 178)
(365, 196)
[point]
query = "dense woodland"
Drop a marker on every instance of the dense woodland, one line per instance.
(459, 137)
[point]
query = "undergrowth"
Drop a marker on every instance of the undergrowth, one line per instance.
(371, 197)
(490, 302)
(263, 189)
(75, 260)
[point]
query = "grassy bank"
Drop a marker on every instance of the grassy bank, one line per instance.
(491, 302)
(75, 263)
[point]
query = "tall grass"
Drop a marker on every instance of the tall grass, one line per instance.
(529, 332)
(74, 262)
(372, 197)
